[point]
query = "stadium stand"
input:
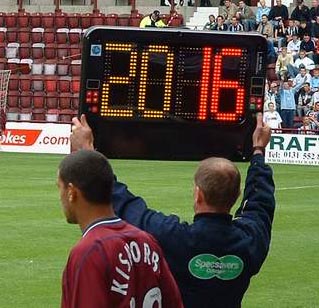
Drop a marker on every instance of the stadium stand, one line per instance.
(46, 40)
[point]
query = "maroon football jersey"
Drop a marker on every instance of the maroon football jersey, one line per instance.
(117, 265)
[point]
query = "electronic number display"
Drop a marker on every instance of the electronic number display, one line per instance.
(172, 93)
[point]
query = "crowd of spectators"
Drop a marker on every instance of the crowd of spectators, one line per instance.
(292, 98)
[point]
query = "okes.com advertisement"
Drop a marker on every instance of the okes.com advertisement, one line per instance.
(36, 138)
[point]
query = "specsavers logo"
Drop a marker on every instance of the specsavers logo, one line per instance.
(20, 137)
(207, 266)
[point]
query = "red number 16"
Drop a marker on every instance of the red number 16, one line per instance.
(218, 84)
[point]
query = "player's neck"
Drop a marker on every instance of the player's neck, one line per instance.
(94, 213)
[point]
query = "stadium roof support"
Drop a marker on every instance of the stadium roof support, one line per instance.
(57, 6)
(20, 8)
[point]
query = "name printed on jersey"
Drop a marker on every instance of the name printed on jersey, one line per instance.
(132, 254)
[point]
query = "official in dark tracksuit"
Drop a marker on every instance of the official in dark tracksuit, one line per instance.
(214, 258)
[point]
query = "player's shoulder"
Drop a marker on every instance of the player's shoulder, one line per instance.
(142, 235)
(82, 247)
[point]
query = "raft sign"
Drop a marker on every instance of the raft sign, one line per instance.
(293, 149)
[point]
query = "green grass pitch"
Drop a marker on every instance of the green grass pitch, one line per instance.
(35, 239)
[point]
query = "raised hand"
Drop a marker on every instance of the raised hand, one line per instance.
(82, 136)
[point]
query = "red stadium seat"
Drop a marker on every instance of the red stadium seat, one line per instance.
(38, 114)
(75, 101)
(135, 20)
(3, 63)
(2, 19)
(50, 51)
(38, 99)
(75, 84)
(36, 20)
(65, 100)
(75, 68)
(25, 51)
(2, 50)
(75, 36)
(13, 98)
(37, 35)
(23, 20)
(123, 20)
(74, 20)
(25, 83)
(64, 84)
(51, 100)
(61, 20)
(48, 20)
(66, 115)
(176, 20)
(11, 19)
(24, 35)
(52, 115)
(3, 34)
(38, 82)
(26, 66)
(86, 20)
(12, 35)
(62, 35)
(63, 67)
(99, 19)
(38, 50)
(14, 82)
(49, 36)
(111, 19)
(63, 51)
(51, 84)
(13, 64)
(26, 99)
(75, 51)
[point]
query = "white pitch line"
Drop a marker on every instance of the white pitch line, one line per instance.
(297, 187)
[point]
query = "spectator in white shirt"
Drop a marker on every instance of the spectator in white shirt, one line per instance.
(302, 61)
(272, 117)
(293, 46)
(302, 78)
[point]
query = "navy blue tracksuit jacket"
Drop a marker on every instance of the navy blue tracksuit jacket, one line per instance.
(213, 258)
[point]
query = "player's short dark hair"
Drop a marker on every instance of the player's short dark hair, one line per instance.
(219, 180)
(91, 173)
